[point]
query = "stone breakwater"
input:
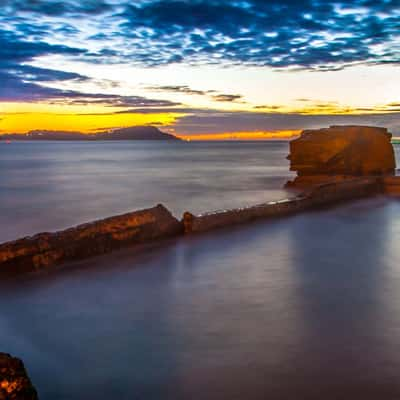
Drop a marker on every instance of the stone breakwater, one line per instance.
(46, 250)
(322, 195)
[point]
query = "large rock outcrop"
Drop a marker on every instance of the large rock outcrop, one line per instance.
(14, 381)
(341, 151)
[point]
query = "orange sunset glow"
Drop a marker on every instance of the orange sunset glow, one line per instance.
(22, 123)
(244, 135)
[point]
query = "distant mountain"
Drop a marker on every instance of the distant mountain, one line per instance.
(131, 133)
(136, 133)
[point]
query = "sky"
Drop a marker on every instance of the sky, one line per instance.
(200, 69)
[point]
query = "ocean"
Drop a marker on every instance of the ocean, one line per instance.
(46, 186)
(306, 307)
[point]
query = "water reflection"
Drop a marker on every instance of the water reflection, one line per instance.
(198, 312)
(306, 306)
(341, 259)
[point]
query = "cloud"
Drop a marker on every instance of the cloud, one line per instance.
(166, 109)
(184, 89)
(179, 89)
(16, 49)
(79, 98)
(268, 107)
(308, 34)
(227, 97)
(304, 34)
(13, 89)
(58, 8)
(19, 80)
(282, 34)
(212, 122)
(196, 121)
(23, 82)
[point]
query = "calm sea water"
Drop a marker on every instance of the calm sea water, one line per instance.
(301, 308)
(51, 185)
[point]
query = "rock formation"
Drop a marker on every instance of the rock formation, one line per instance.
(14, 381)
(339, 152)
(47, 249)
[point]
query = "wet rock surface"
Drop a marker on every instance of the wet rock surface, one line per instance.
(14, 381)
(48, 249)
(341, 152)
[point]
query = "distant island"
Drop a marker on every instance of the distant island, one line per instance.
(131, 133)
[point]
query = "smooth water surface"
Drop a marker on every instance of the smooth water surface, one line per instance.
(306, 307)
(302, 308)
(45, 186)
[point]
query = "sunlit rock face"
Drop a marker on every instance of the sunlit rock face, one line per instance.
(339, 152)
(14, 381)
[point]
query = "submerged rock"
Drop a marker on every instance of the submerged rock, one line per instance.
(338, 152)
(14, 381)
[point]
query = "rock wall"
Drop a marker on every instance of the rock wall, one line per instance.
(14, 380)
(322, 195)
(218, 219)
(47, 249)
